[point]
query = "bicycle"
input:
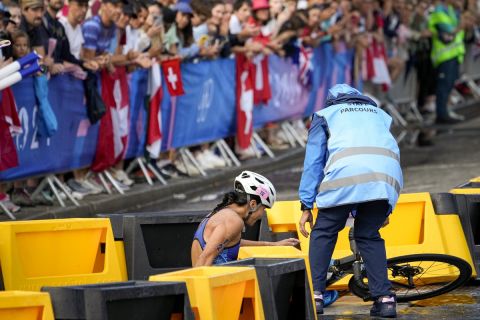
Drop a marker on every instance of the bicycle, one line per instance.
(413, 277)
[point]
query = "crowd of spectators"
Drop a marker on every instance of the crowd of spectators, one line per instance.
(91, 35)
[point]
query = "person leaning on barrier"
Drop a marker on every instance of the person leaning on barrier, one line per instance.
(218, 237)
(352, 165)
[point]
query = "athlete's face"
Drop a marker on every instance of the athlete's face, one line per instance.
(256, 215)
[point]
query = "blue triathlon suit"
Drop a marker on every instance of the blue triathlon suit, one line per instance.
(228, 254)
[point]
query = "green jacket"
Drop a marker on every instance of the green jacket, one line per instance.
(446, 43)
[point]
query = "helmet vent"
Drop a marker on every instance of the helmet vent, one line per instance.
(259, 180)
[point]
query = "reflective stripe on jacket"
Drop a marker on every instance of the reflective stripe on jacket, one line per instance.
(351, 156)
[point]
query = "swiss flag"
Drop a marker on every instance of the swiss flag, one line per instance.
(244, 103)
(9, 124)
(173, 76)
(155, 91)
(113, 131)
(259, 69)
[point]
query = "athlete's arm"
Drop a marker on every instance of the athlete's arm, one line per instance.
(285, 242)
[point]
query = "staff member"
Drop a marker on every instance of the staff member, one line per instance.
(352, 164)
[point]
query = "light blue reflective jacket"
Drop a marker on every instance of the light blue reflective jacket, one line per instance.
(351, 156)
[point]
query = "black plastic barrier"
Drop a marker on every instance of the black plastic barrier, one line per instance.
(122, 301)
(161, 242)
(284, 287)
(469, 211)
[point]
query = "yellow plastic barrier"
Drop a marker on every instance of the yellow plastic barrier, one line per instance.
(471, 187)
(218, 292)
(277, 252)
(24, 305)
(414, 228)
(57, 253)
(122, 263)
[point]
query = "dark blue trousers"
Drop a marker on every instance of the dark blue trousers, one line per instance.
(447, 74)
(369, 218)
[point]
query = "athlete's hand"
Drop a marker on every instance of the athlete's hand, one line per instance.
(287, 242)
(386, 223)
(306, 217)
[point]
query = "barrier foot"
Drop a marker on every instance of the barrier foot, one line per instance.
(188, 155)
(54, 190)
(229, 152)
(287, 134)
(401, 136)
(473, 87)
(139, 163)
(104, 183)
(294, 134)
(144, 171)
(259, 140)
(64, 189)
(397, 117)
(155, 172)
(414, 137)
(413, 106)
(224, 154)
(7, 212)
(54, 184)
(254, 147)
(113, 182)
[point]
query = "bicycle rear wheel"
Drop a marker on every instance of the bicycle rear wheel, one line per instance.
(419, 276)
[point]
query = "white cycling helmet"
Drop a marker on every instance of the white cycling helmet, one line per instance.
(254, 184)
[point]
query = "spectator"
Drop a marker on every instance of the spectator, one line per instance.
(201, 12)
(240, 30)
(99, 31)
(15, 13)
(448, 50)
(179, 37)
(31, 24)
(72, 24)
(224, 28)
(15, 18)
(98, 34)
(260, 18)
(134, 29)
(56, 30)
(21, 194)
(151, 37)
(420, 47)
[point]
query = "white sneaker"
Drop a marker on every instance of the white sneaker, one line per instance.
(76, 195)
(203, 161)
(280, 137)
(93, 188)
(244, 154)
(188, 169)
(216, 161)
(122, 176)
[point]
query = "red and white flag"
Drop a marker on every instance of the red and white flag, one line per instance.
(262, 91)
(173, 77)
(155, 91)
(9, 126)
(244, 103)
(305, 71)
(113, 131)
